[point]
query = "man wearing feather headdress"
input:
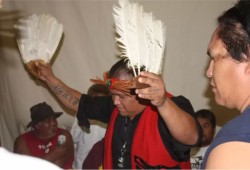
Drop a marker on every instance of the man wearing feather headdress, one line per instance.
(147, 126)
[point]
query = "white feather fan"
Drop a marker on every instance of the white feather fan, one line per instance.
(38, 37)
(141, 38)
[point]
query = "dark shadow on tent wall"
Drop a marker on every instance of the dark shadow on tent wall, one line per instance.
(8, 35)
(7, 30)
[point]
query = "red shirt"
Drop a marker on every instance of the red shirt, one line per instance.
(39, 147)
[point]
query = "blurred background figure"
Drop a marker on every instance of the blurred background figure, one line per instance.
(46, 140)
(11, 160)
(207, 120)
(89, 143)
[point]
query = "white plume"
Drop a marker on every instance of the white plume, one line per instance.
(39, 36)
(140, 37)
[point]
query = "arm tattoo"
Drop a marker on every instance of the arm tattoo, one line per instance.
(59, 91)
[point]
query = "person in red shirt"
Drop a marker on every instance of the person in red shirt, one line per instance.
(46, 140)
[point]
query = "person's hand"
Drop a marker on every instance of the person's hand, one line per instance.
(156, 91)
(44, 71)
(32, 68)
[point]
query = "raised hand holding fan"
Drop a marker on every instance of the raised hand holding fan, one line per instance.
(141, 40)
(38, 38)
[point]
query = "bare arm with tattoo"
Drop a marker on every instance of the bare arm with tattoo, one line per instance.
(66, 95)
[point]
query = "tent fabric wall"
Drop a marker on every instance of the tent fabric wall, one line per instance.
(87, 49)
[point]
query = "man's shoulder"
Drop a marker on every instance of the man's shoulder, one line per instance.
(26, 134)
(183, 103)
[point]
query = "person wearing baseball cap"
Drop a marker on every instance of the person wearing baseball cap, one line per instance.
(45, 139)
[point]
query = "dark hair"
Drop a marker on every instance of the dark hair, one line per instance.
(234, 30)
(97, 89)
(206, 114)
(121, 69)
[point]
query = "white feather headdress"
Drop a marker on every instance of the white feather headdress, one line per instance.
(38, 37)
(141, 38)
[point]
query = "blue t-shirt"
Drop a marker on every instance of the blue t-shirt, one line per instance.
(238, 129)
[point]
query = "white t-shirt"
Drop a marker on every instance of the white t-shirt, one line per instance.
(83, 141)
(11, 160)
(197, 154)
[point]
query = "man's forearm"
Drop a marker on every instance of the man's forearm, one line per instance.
(181, 125)
(66, 95)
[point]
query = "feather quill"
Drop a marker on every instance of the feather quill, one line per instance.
(141, 38)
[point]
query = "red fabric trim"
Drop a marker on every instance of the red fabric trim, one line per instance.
(147, 143)
(33, 143)
(169, 94)
(108, 163)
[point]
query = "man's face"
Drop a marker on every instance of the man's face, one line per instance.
(47, 127)
(127, 105)
(226, 74)
(208, 131)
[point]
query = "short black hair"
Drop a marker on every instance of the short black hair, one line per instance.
(206, 114)
(121, 68)
(234, 30)
(98, 89)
